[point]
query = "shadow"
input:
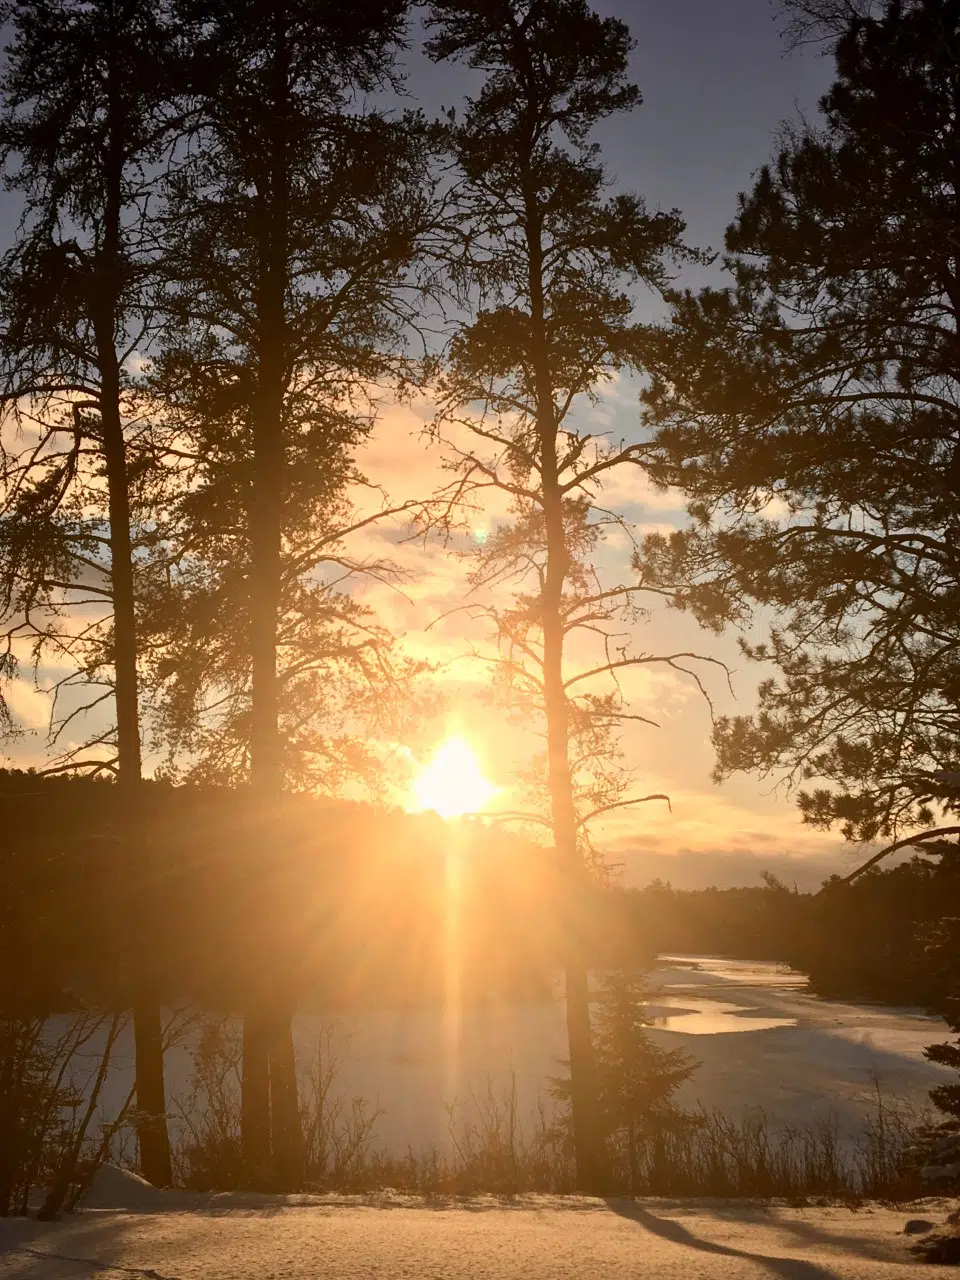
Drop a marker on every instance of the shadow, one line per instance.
(75, 1245)
(676, 1233)
(806, 1231)
(93, 1265)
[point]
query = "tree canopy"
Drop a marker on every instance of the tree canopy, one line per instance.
(811, 411)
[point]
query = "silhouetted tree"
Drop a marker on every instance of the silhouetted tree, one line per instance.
(820, 21)
(636, 1081)
(549, 260)
(943, 950)
(86, 120)
(638, 1077)
(811, 411)
(297, 214)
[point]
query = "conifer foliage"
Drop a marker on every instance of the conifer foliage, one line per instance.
(295, 218)
(637, 1079)
(297, 210)
(87, 119)
(811, 411)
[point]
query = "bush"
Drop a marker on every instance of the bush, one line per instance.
(52, 1071)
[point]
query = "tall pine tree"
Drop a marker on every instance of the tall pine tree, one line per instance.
(550, 261)
(86, 121)
(297, 215)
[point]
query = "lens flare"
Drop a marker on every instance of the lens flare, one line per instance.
(452, 784)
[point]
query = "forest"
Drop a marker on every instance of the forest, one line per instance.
(875, 938)
(238, 246)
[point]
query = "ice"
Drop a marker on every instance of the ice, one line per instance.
(699, 1017)
(793, 1055)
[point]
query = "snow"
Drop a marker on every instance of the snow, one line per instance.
(234, 1237)
(115, 1188)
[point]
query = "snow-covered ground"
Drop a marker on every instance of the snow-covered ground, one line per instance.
(173, 1236)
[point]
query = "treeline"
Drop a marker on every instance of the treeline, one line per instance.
(763, 922)
(338, 903)
(878, 937)
(331, 903)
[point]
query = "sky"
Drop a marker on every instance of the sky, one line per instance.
(717, 82)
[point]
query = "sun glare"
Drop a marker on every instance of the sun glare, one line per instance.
(452, 784)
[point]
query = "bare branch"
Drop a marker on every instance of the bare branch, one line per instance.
(905, 843)
(622, 804)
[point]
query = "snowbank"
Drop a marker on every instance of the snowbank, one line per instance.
(116, 1188)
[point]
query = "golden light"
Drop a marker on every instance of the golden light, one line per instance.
(452, 784)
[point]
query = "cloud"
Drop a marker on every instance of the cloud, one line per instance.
(29, 705)
(729, 869)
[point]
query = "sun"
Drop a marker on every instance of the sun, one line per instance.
(452, 784)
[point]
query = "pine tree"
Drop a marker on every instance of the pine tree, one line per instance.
(810, 411)
(638, 1078)
(86, 121)
(297, 215)
(546, 261)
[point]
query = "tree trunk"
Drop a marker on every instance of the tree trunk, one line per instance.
(151, 1101)
(255, 1096)
(267, 1032)
(264, 742)
(583, 1086)
(265, 532)
(148, 1042)
(284, 1108)
(152, 1134)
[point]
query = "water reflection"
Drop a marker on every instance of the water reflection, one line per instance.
(696, 1017)
(721, 971)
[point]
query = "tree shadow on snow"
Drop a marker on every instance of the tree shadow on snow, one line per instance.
(806, 1230)
(72, 1246)
(676, 1233)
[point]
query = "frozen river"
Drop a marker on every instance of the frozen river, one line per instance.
(763, 1041)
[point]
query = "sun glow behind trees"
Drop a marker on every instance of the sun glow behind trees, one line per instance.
(452, 784)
